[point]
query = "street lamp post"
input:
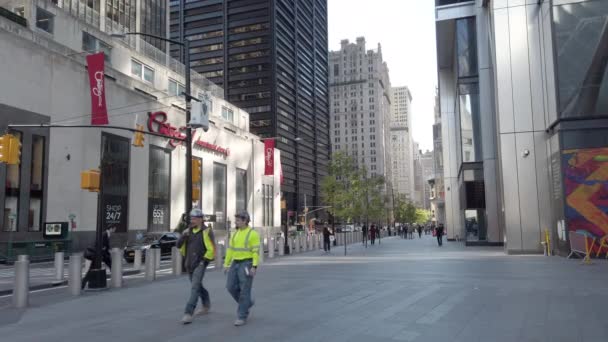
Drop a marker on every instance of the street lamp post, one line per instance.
(185, 43)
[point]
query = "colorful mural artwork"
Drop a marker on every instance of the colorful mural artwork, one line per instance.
(586, 190)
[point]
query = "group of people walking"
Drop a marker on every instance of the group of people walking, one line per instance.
(407, 231)
(197, 245)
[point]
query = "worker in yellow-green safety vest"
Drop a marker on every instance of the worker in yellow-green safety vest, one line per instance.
(197, 245)
(241, 264)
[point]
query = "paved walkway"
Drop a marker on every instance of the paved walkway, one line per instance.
(400, 290)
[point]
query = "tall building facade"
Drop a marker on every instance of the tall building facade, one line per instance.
(418, 193)
(426, 163)
(523, 90)
(360, 106)
(436, 181)
(270, 56)
(401, 142)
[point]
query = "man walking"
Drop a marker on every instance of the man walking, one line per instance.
(439, 231)
(197, 245)
(106, 257)
(326, 239)
(241, 264)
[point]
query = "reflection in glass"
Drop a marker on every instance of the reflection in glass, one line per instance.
(241, 190)
(219, 195)
(475, 224)
(11, 200)
(159, 184)
(466, 47)
(36, 183)
(470, 129)
(581, 45)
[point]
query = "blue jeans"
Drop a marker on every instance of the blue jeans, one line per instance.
(197, 290)
(239, 286)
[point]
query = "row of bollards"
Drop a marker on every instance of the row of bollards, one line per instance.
(152, 257)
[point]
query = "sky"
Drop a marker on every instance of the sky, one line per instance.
(406, 31)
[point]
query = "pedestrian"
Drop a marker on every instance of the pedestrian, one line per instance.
(439, 232)
(106, 257)
(326, 239)
(372, 234)
(419, 231)
(364, 233)
(241, 265)
(197, 246)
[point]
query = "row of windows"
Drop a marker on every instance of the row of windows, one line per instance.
(355, 138)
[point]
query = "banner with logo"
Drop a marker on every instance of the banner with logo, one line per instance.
(269, 157)
(99, 111)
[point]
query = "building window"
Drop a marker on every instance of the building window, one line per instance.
(92, 44)
(175, 88)
(36, 183)
(241, 190)
(211, 74)
(44, 20)
(219, 195)
(12, 189)
(581, 48)
(268, 207)
(208, 61)
(227, 114)
(159, 193)
(466, 46)
(142, 71)
(207, 48)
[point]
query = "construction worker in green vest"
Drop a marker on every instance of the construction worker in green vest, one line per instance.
(241, 264)
(197, 246)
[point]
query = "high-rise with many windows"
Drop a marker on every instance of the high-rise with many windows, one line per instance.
(360, 106)
(270, 56)
(401, 142)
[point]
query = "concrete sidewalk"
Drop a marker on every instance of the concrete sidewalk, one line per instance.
(399, 290)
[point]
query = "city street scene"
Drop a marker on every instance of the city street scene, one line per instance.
(304, 170)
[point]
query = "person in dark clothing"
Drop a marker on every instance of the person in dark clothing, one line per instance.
(326, 239)
(197, 245)
(106, 257)
(364, 232)
(439, 232)
(419, 231)
(372, 234)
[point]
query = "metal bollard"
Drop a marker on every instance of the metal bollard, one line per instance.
(261, 251)
(116, 278)
(150, 264)
(156, 258)
(219, 256)
(281, 246)
(271, 248)
(305, 242)
(176, 261)
(75, 274)
(59, 267)
(21, 288)
(137, 260)
(298, 241)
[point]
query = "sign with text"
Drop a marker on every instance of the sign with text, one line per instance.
(99, 111)
(115, 212)
(269, 157)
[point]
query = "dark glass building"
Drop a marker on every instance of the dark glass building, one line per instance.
(271, 58)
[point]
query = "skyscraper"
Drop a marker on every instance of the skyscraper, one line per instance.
(360, 106)
(270, 56)
(401, 142)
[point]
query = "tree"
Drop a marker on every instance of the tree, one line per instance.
(337, 188)
(405, 211)
(422, 216)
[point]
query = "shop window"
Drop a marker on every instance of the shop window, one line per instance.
(241, 190)
(36, 183)
(11, 200)
(159, 193)
(219, 195)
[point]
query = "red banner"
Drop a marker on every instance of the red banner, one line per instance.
(268, 157)
(99, 111)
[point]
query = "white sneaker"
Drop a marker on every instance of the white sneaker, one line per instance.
(187, 319)
(201, 311)
(239, 322)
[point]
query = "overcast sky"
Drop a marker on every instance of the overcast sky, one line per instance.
(406, 31)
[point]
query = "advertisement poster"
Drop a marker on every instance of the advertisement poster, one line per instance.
(115, 212)
(586, 190)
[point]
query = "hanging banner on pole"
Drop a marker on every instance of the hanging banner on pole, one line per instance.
(269, 157)
(99, 111)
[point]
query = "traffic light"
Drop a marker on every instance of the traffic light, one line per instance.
(90, 179)
(138, 138)
(196, 171)
(10, 149)
(196, 193)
